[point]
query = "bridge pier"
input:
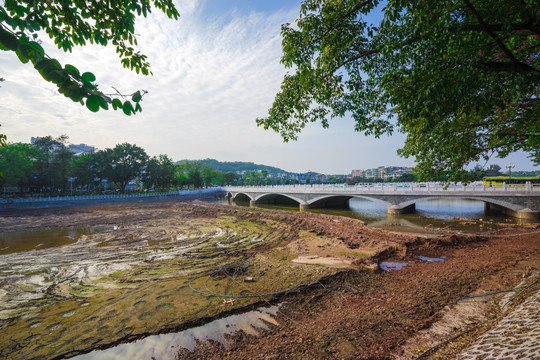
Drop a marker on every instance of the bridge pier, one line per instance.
(304, 206)
(526, 214)
(396, 209)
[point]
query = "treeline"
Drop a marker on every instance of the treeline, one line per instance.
(49, 167)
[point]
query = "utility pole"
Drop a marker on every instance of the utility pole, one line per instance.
(510, 166)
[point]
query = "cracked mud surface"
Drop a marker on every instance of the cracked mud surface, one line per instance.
(131, 279)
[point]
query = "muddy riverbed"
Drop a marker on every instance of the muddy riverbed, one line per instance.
(124, 272)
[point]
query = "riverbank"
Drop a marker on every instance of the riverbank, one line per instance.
(39, 202)
(131, 279)
(405, 314)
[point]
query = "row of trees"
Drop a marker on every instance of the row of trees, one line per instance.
(49, 166)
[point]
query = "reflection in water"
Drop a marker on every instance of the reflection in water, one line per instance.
(21, 241)
(165, 346)
(430, 259)
(437, 214)
(391, 266)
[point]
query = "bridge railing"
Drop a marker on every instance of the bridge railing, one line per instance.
(389, 187)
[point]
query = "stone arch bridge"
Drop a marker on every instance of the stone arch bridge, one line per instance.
(522, 201)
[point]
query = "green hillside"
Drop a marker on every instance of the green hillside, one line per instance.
(234, 166)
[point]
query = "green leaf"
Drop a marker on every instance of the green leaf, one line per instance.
(55, 76)
(88, 77)
(10, 4)
(8, 40)
(138, 107)
(103, 103)
(20, 10)
(37, 48)
(92, 103)
(136, 97)
(74, 92)
(117, 104)
(128, 108)
(22, 53)
(73, 71)
(34, 26)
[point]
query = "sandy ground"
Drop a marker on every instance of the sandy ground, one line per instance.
(396, 314)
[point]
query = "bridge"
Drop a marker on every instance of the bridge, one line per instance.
(522, 201)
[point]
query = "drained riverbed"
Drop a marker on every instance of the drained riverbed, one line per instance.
(106, 281)
(65, 290)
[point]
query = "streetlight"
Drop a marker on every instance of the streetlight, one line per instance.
(510, 166)
(71, 179)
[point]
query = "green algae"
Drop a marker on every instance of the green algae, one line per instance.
(153, 293)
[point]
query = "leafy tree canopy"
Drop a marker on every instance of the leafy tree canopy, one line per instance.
(16, 163)
(78, 22)
(159, 172)
(460, 77)
(123, 163)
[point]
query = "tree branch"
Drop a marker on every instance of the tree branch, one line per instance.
(509, 67)
(352, 11)
(525, 28)
(362, 53)
(500, 44)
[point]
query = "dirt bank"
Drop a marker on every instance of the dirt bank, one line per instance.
(392, 314)
(132, 280)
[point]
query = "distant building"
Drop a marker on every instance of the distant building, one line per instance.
(358, 173)
(81, 149)
(78, 150)
(382, 172)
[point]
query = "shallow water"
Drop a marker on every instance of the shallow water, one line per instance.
(22, 241)
(430, 215)
(431, 259)
(392, 266)
(165, 346)
(83, 292)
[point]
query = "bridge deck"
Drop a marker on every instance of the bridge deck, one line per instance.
(393, 188)
(517, 200)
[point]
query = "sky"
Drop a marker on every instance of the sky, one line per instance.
(215, 70)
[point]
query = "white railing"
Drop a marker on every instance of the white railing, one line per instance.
(111, 197)
(389, 187)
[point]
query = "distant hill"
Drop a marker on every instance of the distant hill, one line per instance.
(234, 166)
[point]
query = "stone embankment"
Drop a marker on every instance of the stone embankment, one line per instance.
(516, 336)
(79, 200)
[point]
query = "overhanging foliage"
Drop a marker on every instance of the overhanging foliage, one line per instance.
(460, 77)
(78, 22)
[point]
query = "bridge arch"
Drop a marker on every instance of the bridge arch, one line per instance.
(329, 201)
(240, 196)
(341, 200)
(276, 198)
(497, 203)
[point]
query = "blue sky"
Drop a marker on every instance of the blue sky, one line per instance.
(215, 71)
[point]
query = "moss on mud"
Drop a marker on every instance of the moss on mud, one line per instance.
(149, 291)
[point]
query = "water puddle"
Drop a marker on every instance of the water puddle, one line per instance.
(392, 266)
(165, 346)
(22, 241)
(425, 258)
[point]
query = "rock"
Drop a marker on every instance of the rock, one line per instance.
(249, 279)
